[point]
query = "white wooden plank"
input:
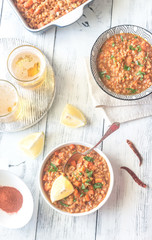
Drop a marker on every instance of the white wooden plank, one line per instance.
(72, 45)
(11, 27)
(127, 215)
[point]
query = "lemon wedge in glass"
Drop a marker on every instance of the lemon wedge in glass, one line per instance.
(61, 188)
(72, 117)
(33, 144)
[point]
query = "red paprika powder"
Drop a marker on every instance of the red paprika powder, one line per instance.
(11, 199)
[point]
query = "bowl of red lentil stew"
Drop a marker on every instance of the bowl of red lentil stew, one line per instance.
(37, 16)
(121, 62)
(91, 176)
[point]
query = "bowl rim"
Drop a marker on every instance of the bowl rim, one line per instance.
(118, 96)
(41, 172)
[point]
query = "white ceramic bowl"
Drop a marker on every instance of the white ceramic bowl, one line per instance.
(23, 216)
(41, 182)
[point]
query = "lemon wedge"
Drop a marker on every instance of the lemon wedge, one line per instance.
(72, 117)
(32, 145)
(61, 188)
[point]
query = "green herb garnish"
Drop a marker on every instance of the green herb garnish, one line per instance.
(89, 173)
(127, 68)
(132, 90)
(74, 199)
(121, 38)
(113, 44)
(108, 77)
(139, 48)
(83, 187)
(112, 56)
(53, 168)
(101, 74)
(139, 64)
(73, 152)
(135, 37)
(97, 185)
(89, 159)
(86, 190)
(63, 204)
(141, 75)
(82, 194)
(146, 57)
(80, 173)
(88, 181)
(75, 176)
(132, 48)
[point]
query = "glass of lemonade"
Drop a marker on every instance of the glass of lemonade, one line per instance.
(9, 102)
(27, 65)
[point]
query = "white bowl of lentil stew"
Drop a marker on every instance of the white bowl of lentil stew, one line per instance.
(91, 176)
(38, 16)
(121, 62)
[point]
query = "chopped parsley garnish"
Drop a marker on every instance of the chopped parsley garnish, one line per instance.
(132, 48)
(74, 152)
(132, 90)
(74, 199)
(53, 168)
(89, 173)
(63, 204)
(113, 44)
(145, 58)
(127, 68)
(135, 37)
(89, 159)
(141, 74)
(112, 56)
(80, 173)
(82, 194)
(121, 38)
(139, 48)
(86, 190)
(139, 64)
(101, 74)
(108, 77)
(83, 187)
(75, 176)
(88, 181)
(97, 185)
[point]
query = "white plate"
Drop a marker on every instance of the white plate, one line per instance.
(23, 216)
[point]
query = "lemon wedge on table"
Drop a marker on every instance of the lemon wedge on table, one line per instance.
(61, 188)
(72, 117)
(33, 144)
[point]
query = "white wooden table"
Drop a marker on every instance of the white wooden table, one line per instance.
(128, 213)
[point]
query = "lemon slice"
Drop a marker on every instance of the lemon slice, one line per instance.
(61, 188)
(32, 145)
(72, 117)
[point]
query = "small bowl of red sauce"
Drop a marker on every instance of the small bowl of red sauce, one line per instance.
(121, 62)
(16, 202)
(91, 176)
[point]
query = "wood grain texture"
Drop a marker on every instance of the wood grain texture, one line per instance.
(127, 214)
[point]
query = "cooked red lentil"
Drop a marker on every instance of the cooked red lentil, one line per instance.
(125, 64)
(90, 177)
(38, 13)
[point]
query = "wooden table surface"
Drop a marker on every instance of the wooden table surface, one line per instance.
(128, 213)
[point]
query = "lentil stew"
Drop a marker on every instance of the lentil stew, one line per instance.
(124, 64)
(38, 13)
(90, 177)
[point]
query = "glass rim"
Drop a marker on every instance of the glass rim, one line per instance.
(9, 83)
(26, 45)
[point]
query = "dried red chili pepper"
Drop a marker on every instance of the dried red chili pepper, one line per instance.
(132, 146)
(134, 176)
